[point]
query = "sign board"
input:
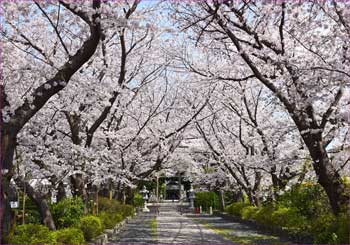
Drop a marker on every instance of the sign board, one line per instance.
(14, 204)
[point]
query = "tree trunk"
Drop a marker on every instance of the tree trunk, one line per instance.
(222, 200)
(61, 192)
(40, 202)
(327, 175)
(79, 190)
(253, 197)
(8, 143)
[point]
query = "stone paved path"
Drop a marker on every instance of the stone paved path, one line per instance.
(137, 231)
(175, 228)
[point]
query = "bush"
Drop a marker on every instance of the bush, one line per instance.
(207, 200)
(249, 212)
(138, 200)
(32, 214)
(68, 212)
(343, 228)
(236, 208)
(110, 220)
(309, 198)
(264, 215)
(91, 227)
(105, 204)
(288, 217)
(330, 229)
(113, 206)
(69, 236)
(125, 210)
(304, 209)
(32, 234)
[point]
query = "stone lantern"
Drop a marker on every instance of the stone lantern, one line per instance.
(191, 197)
(144, 192)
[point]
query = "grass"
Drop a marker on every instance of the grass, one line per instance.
(154, 227)
(251, 239)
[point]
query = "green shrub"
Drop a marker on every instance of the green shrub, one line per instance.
(125, 210)
(105, 204)
(309, 198)
(32, 234)
(236, 208)
(264, 215)
(68, 212)
(138, 200)
(110, 220)
(32, 214)
(113, 206)
(249, 212)
(329, 229)
(343, 228)
(69, 236)
(91, 227)
(207, 200)
(288, 217)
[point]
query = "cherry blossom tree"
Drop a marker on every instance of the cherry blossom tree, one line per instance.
(47, 67)
(299, 51)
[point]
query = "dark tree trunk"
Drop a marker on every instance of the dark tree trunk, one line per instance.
(79, 190)
(8, 143)
(327, 175)
(129, 194)
(253, 197)
(40, 202)
(104, 192)
(61, 192)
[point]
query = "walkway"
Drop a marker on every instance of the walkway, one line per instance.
(179, 229)
(170, 227)
(137, 231)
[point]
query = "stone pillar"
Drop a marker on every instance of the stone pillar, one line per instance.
(180, 192)
(157, 188)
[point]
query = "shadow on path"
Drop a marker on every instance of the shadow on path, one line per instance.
(175, 228)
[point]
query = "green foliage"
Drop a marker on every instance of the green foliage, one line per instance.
(249, 212)
(154, 227)
(263, 215)
(91, 227)
(68, 212)
(342, 228)
(110, 220)
(138, 200)
(113, 206)
(125, 210)
(206, 200)
(330, 229)
(310, 199)
(105, 204)
(69, 236)
(32, 214)
(236, 208)
(288, 217)
(305, 208)
(162, 189)
(32, 234)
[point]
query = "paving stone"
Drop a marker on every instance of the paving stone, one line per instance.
(176, 228)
